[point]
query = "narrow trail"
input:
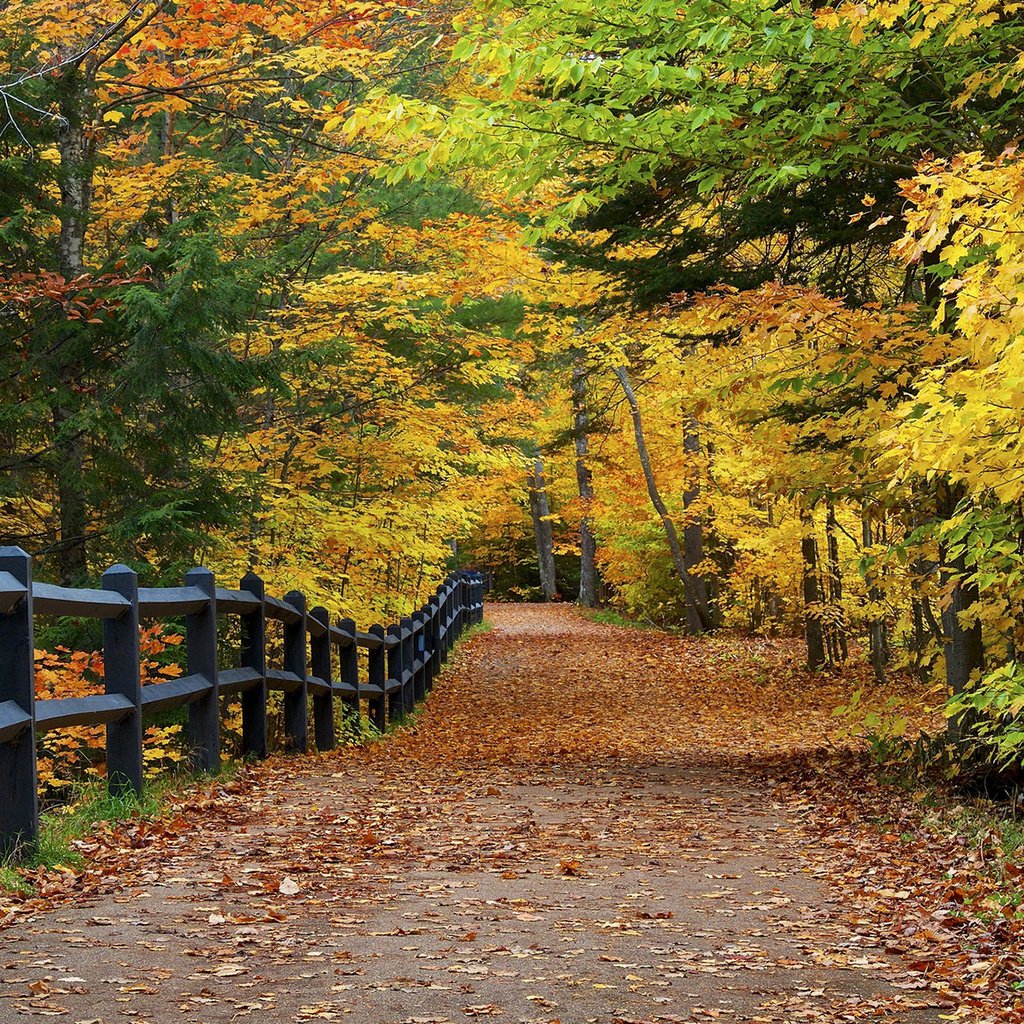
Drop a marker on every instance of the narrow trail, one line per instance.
(579, 827)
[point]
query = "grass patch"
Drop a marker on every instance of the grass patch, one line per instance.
(990, 828)
(92, 805)
(12, 882)
(407, 721)
(59, 828)
(610, 617)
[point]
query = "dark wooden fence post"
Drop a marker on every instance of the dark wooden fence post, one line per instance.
(396, 699)
(348, 659)
(19, 807)
(453, 612)
(377, 676)
(122, 674)
(422, 652)
(416, 627)
(408, 659)
(320, 665)
(434, 633)
(428, 645)
(254, 656)
(296, 726)
(201, 660)
(446, 616)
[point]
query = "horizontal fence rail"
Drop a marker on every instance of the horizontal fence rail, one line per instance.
(402, 661)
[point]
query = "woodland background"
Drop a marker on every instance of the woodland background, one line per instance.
(708, 312)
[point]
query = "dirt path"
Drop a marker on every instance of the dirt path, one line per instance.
(577, 829)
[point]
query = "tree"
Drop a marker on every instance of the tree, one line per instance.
(696, 610)
(540, 512)
(584, 482)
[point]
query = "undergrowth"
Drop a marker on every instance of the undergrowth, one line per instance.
(963, 788)
(960, 793)
(92, 805)
(610, 617)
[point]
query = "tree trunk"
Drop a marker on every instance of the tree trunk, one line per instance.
(839, 650)
(75, 176)
(678, 559)
(540, 511)
(588, 546)
(878, 634)
(812, 593)
(963, 648)
(76, 173)
(698, 611)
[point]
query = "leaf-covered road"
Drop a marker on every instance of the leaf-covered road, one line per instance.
(580, 827)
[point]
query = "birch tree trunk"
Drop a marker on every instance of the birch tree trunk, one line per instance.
(540, 511)
(584, 482)
(671, 535)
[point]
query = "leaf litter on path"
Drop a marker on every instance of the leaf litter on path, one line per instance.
(585, 823)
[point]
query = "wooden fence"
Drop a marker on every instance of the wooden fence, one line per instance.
(402, 662)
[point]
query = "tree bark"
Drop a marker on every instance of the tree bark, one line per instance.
(76, 185)
(878, 634)
(838, 647)
(678, 559)
(812, 593)
(540, 511)
(588, 547)
(698, 611)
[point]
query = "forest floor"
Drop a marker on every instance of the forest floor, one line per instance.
(586, 823)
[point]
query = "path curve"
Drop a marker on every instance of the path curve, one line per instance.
(577, 829)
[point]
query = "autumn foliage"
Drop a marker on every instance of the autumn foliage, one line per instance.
(711, 313)
(68, 756)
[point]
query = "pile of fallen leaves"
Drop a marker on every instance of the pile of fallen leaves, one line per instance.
(947, 901)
